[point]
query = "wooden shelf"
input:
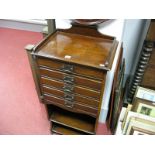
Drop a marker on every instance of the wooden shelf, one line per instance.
(63, 130)
(72, 120)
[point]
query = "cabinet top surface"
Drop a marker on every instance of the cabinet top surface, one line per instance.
(80, 49)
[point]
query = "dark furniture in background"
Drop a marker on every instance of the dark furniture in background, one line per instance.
(145, 72)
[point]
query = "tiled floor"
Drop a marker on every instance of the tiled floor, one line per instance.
(20, 110)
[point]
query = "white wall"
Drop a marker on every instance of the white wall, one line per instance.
(20, 24)
(133, 37)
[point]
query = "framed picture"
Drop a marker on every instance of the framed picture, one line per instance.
(138, 131)
(140, 126)
(129, 107)
(110, 121)
(144, 107)
(144, 93)
(136, 115)
(118, 98)
(120, 121)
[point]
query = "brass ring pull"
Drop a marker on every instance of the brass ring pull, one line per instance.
(68, 88)
(67, 68)
(68, 79)
(69, 97)
(69, 104)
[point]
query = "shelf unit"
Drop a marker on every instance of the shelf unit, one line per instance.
(69, 68)
(78, 122)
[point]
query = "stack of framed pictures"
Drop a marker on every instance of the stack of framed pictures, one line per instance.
(139, 117)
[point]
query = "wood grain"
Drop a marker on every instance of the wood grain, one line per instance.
(77, 98)
(70, 88)
(63, 130)
(77, 69)
(71, 106)
(79, 122)
(78, 80)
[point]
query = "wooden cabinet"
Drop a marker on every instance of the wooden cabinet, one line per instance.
(69, 68)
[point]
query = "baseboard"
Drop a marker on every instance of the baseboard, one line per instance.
(29, 25)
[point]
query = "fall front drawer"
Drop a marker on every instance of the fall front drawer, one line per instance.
(70, 68)
(69, 105)
(76, 97)
(70, 88)
(68, 78)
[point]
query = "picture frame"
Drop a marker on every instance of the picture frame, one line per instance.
(118, 96)
(129, 107)
(140, 126)
(118, 130)
(136, 115)
(138, 131)
(144, 107)
(145, 93)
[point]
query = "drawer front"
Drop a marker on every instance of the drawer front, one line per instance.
(71, 106)
(70, 68)
(68, 78)
(54, 91)
(71, 97)
(70, 88)
(52, 83)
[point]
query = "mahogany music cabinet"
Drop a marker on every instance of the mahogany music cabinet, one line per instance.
(69, 68)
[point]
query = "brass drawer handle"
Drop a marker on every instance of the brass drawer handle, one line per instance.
(67, 68)
(69, 104)
(68, 79)
(68, 88)
(69, 97)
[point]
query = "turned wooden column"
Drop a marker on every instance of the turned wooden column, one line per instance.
(145, 72)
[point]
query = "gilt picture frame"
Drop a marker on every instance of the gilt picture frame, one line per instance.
(145, 93)
(144, 107)
(136, 115)
(138, 131)
(140, 126)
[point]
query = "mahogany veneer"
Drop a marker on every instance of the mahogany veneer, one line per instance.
(70, 68)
